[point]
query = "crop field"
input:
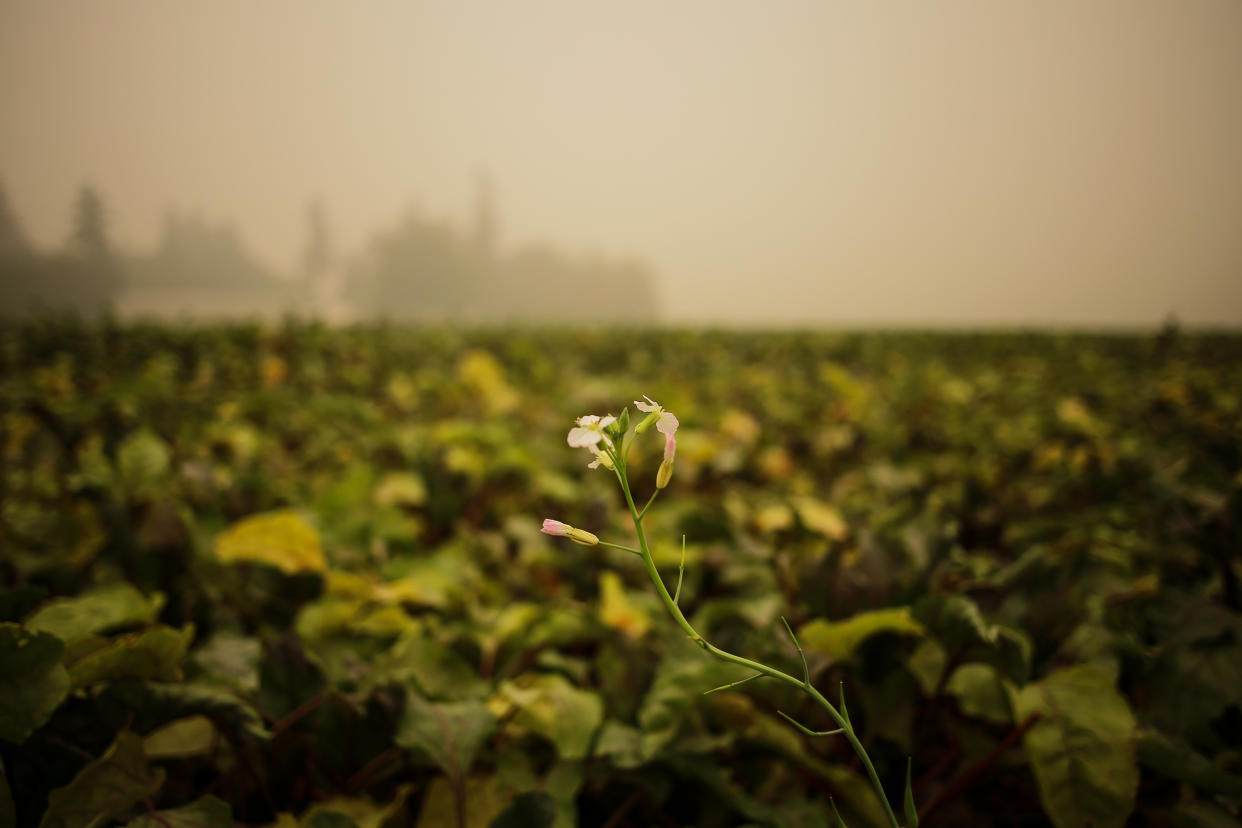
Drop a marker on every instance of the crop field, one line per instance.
(294, 576)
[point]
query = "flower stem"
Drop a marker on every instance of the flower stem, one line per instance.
(804, 684)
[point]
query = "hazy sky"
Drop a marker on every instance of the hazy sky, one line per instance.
(926, 161)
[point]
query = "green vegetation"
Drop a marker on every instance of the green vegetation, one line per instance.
(295, 576)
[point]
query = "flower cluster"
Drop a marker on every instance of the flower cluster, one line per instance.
(601, 435)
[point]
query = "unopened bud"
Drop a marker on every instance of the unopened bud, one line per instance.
(582, 537)
(647, 422)
(665, 474)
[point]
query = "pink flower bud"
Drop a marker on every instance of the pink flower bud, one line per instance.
(555, 527)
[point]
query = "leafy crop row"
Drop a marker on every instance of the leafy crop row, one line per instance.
(294, 576)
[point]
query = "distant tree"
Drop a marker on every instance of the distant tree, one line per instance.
(85, 277)
(90, 236)
(13, 243)
(486, 224)
(317, 255)
(421, 270)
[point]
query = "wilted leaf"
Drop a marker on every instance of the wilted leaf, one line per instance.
(839, 639)
(204, 812)
(154, 653)
(96, 611)
(104, 789)
(282, 539)
(33, 682)
(1082, 750)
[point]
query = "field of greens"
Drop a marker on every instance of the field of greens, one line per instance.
(294, 576)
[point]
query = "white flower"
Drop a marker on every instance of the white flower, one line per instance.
(665, 421)
(590, 431)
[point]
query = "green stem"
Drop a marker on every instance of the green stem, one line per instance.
(847, 730)
(619, 546)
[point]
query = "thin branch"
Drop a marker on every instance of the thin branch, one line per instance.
(733, 684)
(648, 506)
(806, 673)
(806, 729)
(681, 568)
(619, 546)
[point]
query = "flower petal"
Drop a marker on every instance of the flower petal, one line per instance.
(555, 527)
(647, 407)
(583, 437)
(667, 424)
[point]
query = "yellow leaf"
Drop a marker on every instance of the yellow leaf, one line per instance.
(774, 518)
(282, 539)
(839, 639)
(820, 517)
(615, 609)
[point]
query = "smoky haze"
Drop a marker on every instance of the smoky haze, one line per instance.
(932, 163)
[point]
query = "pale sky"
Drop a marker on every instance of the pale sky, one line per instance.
(926, 162)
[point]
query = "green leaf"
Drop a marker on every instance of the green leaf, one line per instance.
(232, 658)
(438, 671)
(980, 693)
(33, 682)
(450, 732)
(1082, 749)
(837, 814)
(104, 789)
(282, 539)
(204, 812)
(839, 639)
(191, 736)
(360, 812)
(96, 611)
(533, 809)
(956, 622)
(143, 460)
(1175, 760)
(912, 813)
(481, 798)
(155, 653)
(553, 708)
(154, 704)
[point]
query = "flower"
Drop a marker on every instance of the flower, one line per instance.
(665, 421)
(590, 431)
(578, 536)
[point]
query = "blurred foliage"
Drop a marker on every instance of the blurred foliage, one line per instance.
(293, 576)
